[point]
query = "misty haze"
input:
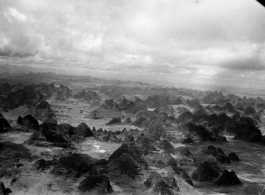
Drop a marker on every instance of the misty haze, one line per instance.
(139, 97)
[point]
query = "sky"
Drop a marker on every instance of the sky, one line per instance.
(193, 42)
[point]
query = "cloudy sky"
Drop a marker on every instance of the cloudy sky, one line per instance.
(174, 41)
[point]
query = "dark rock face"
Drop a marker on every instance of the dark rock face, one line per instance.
(129, 139)
(83, 130)
(111, 104)
(199, 112)
(109, 109)
(75, 165)
(4, 125)
(185, 158)
(135, 152)
(99, 182)
(197, 133)
(249, 111)
(161, 185)
(108, 136)
(128, 158)
(163, 159)
(46, 134)
(248, 132)
(49, 134)
(211, 149)
(131, 149)
(144, 113)
(146, 143)
(222, 158)
(30, 122)
(42, 164)
(10, 155)
(87, 95)
(128, 121)
(233, 157)
(156, 101)
(19, 120)
(127, 165)
(166, 146)
(66, 129)
(113, 121)
(207, 171)
(228, 178)
(20, 97)
(131, 107)
(194, 103)
(155, 129)
(43, 104)
(229, 107)
(139, 122)
(219, 154)
(3, 190)
(30, 97)
(42, 109)
(185, 117)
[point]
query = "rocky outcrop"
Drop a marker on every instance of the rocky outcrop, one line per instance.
(131, 107)
(206, 172)
(66, 129)
(185, 117)
(42, 164)
(30, 122)
(140, 122)
(21, 97)
(46, 136)
(249, 111)
(75, 165)
(98, 183)
(209, 171)
(128, 121)
(145, 142)
(87, 95)
(228, 178)
(106, 136)
(198, 133)
(4, 190)
(109, 109)
(228, 107)
(128, 158)
(4, 124)
(185, 159)
(19, 120)
(161, 185)
(194, 103)
(83, 130)
(247, 131)
(233, 157)
(218, 154)
(126, 164)
(42, 110)
(166, 146)
(155, 129)
(114, 121)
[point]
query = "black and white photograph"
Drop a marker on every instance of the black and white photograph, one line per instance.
(132, 97)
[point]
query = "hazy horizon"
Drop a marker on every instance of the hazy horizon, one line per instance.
(191, 42)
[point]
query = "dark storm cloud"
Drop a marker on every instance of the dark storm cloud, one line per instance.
(249, 63)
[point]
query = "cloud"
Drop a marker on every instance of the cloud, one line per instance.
(244, 63)
(12, 12)
(201, 39)
(246, 57)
